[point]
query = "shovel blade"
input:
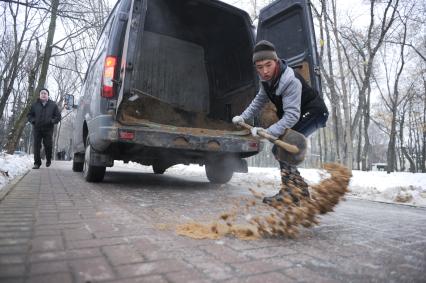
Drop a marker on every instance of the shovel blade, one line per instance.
(294, 138)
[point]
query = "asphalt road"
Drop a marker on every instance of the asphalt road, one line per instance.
(55, 227)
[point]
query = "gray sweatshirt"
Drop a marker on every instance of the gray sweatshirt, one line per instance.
(290, 90)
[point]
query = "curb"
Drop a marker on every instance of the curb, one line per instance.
(387, 202)
(9, 187)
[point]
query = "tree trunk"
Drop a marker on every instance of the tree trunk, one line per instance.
(424, 128)
(391, 154)
(20, 123)
(395, 103)
(401, 140)
(346, 109)
(417, 131)
(335, 99)
(358, 154)
(320, 149)
(410, 159)
(365, 159)
(326, 155)
(413, 135)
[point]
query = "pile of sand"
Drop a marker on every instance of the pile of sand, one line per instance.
(151, 109)
(251, 219)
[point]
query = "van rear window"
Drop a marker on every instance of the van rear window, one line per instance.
(286, 31)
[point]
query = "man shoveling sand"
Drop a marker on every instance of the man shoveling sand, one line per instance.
(298, 111)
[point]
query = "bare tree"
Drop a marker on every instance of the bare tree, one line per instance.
(14, 50)
(66, 81)
(328, 72)
(359, 48)
(83, 22)
(19, 125)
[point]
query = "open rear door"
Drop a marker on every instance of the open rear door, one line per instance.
(132, 39)
(289, 26)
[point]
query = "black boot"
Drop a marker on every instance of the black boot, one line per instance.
(300, 183)
(281, 196)
(48, 162)
(36, 166)
(276, 198)
(291, 177)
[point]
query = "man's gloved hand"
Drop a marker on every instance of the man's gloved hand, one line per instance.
(237, 120)
(254, 131)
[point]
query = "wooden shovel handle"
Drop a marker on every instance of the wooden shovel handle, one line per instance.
(289, 147)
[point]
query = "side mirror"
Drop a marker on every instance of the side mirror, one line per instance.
(69, 102)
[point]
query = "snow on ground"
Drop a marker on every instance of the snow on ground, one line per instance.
(12, 166)
(398, 187)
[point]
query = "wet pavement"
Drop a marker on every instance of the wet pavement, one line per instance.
(55, 227)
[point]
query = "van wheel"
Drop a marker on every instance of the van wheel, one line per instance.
(218, 174)
(158, 168)
(92, 173)
(77, 166)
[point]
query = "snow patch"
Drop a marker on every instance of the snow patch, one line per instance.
(12, 166)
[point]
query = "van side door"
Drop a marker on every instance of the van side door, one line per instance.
(289, 26)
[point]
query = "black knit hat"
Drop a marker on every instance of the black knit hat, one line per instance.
(45, 90)
(264, 50)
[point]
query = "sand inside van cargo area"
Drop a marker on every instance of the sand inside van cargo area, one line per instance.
(147, 108)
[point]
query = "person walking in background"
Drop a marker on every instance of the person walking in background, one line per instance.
(44, 114)
(298, 107)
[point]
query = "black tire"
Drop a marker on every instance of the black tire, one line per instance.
(77, 166)
(158, 169)
(93, 174)
(218, 174)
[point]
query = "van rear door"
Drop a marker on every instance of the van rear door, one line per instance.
(132, 39)
(289, 26)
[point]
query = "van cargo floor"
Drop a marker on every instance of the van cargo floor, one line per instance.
(150, 111)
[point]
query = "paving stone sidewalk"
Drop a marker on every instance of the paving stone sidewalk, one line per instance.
(54, 227)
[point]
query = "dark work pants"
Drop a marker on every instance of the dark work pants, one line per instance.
(308, 124)
(45, 136)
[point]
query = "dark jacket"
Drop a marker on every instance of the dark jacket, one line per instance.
(286, 88)
(292, 97)
(310, 102)
(44, 116)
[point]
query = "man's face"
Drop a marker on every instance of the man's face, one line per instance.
(266, 69)
(44, 96)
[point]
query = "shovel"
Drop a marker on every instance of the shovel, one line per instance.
(291, 146)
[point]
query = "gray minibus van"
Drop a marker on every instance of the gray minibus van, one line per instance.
(167, 76)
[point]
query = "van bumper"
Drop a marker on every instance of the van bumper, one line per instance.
(102, 136)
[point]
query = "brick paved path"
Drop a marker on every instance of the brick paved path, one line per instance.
(54, 227)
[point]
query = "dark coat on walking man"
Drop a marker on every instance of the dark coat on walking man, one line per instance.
(44, 114)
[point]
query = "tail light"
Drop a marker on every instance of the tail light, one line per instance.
(126, 135)
(108, 77)
(254, 145)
